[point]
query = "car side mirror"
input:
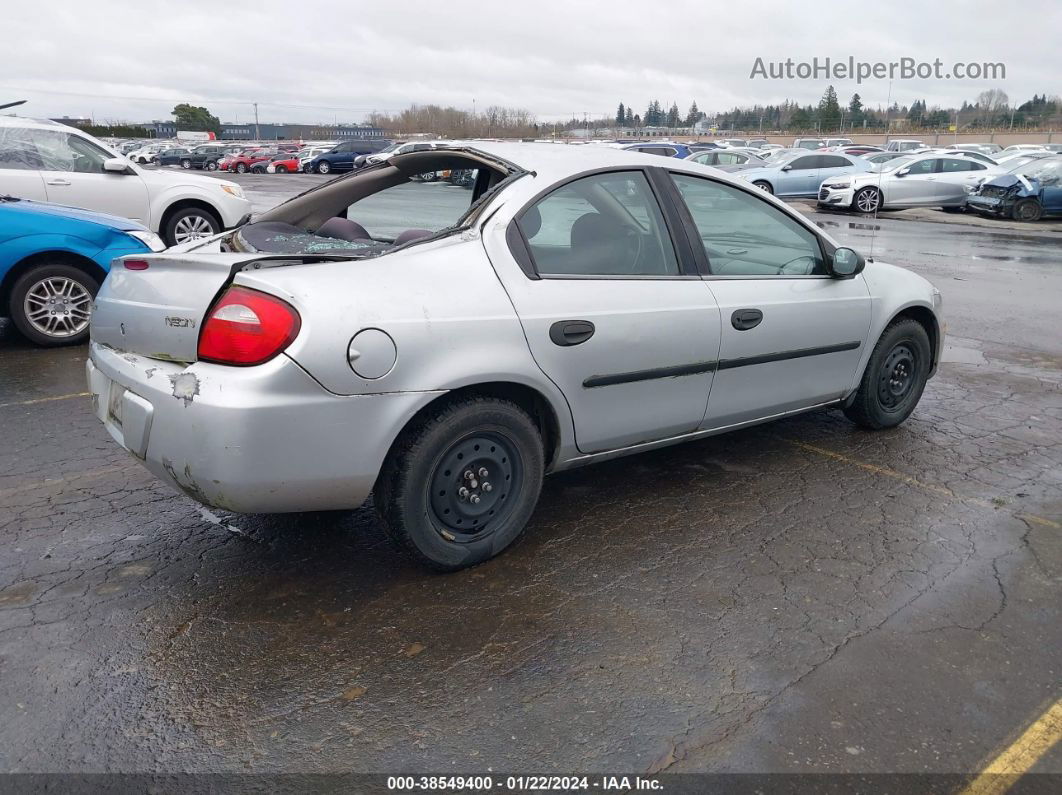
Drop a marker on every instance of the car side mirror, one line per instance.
(903, 172)
(846, 262)
(116, 165)
(787, 168)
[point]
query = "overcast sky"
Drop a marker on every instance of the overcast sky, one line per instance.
(318, 61)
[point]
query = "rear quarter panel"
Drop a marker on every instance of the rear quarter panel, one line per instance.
(441, 302)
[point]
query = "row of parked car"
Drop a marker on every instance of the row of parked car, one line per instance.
(1020, 182)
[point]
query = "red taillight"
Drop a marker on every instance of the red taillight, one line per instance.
(135, 264)
(247, 327)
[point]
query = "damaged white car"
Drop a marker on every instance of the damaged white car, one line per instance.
(444, 349)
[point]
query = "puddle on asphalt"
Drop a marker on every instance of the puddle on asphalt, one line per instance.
(962, 354)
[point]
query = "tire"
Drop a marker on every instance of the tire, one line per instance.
(324, 167)
(1027, 210)
(188, 224)
(186, 164)
(895, 377)
(211, 165)
(156, 162)
(418, 493)
(73, 291)
(764, 186)
(867, 200)
(241, 168)
(281, 169)
(961, 209)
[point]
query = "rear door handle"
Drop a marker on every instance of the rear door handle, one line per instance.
(744, 319)
(58, 182)
(571, 332)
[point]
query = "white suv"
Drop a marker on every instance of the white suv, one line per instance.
(47, 161)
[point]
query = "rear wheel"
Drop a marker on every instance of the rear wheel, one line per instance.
(156, 161)
(460, 484)
(186, 163)
(324, 167)
(211, 165)
(867, 200)
(241, 168)
(764, 186)
(189, 224)
(1027, 210)
(282, 169)
(52, 304)
(895, 377)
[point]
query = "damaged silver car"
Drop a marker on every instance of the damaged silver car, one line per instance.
(445, 348)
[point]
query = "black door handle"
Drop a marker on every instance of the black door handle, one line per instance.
(571, 332)
(744, 319)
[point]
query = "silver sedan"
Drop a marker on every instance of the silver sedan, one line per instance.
(924, 180)
(445, 344)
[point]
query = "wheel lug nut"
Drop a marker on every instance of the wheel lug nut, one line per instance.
(487, 486)
(483, 472)
(462, 493)
(474, 499)
(468, 474)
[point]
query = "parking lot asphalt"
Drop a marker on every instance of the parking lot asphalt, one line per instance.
(802, 596)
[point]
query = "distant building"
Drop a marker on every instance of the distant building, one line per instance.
(74, 121)
(277, 132)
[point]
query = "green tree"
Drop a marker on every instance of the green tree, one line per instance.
(855, 110)
(193, 117)
(631, 119)
(621, 115)
(694, 115)
(829, 113)
(673, 118)
(800, 120)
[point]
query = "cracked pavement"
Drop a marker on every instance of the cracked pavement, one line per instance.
(802, 596)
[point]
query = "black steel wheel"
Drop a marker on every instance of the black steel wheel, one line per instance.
(1027, 210)
(461, 482)
(895, 377)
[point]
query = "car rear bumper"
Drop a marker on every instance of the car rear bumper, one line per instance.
(265, 439)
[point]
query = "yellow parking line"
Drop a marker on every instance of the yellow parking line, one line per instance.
(912, 481)
(44, 399)
(880, 470)
(74, 479)
(1019, 757)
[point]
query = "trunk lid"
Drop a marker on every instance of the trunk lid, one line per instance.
(157, 312)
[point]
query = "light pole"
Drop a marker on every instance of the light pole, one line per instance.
(257, 135)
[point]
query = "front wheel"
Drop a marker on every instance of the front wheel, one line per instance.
(212, 165)
(323, 167)
(186, 164)
(764, 186)
(1026, 210)
(190, 224)
(460, 484)
(241, 168)
(895, 377)
(282, 169)
(52, 304)
(867, 200)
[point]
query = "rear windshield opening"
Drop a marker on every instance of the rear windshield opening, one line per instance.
(412, 197)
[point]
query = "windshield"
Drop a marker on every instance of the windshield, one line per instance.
(891, 165)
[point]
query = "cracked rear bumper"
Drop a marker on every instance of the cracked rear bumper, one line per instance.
(265, 439)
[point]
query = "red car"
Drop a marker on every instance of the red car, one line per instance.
(283, 164)
(242, 162)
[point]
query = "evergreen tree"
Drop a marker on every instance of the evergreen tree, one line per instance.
(693, 116)
(673, 119)
(630, 117)
(855, 109)
(829, 113)
(621, 115)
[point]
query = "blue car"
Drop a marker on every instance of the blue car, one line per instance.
(1027, 193)
(53, 260)
(341, 157)
(800, 175)
(670, 149)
